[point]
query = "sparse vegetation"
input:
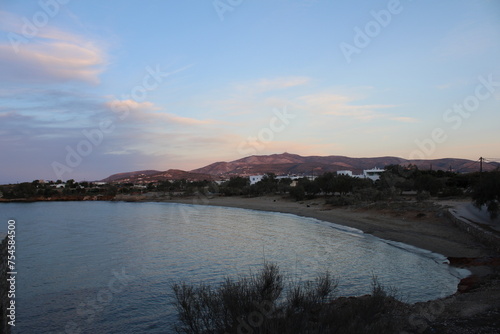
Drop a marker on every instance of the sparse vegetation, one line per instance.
(264, 303)
(487, 192)
(57, 190)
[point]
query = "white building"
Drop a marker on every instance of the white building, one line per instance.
(372, 174)
(255, 178)
(346, 172)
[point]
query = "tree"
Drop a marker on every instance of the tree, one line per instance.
(298, 192)
(487, 192)
(237, 182)
(284, 185)
(359, 183)
(343, 184)
(311, 188)
(407, 172)
(326, 182)
(268, 185)
(111, 190)
(389, 181)
(235, 186)
(427, 182)
(163, 186)
(22, 190)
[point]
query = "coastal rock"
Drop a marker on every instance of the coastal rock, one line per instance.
(468, 283)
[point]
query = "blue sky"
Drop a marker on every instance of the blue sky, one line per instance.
(92, 88)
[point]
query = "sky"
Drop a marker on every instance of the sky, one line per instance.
(92, 88)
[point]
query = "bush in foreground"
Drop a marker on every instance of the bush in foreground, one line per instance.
(259, 305)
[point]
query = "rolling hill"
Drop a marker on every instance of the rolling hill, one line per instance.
(292, 164)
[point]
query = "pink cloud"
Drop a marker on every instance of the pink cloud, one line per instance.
(50, 55)
(148, 112)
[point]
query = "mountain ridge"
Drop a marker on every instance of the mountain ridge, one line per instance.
(288, 163)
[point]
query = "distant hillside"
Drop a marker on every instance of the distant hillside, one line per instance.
(128, 175)
(153, 176)
(287, 163)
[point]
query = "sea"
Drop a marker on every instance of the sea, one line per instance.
(109, 267)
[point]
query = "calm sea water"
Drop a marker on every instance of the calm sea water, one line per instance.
(107, 267)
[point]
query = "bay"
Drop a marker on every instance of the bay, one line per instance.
(108, 267)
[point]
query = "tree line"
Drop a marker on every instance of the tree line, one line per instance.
(395, 182)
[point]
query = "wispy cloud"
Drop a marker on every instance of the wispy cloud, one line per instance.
(147, 113)
(254, 97)
(349, 106)
(323, 99)
(52, 55)
(268, 85)
(130, 105)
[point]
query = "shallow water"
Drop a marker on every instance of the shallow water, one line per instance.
(108, 266)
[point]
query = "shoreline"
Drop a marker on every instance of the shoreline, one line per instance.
(476, 304)
(419, 224)
(475, 307)
(431, 231)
